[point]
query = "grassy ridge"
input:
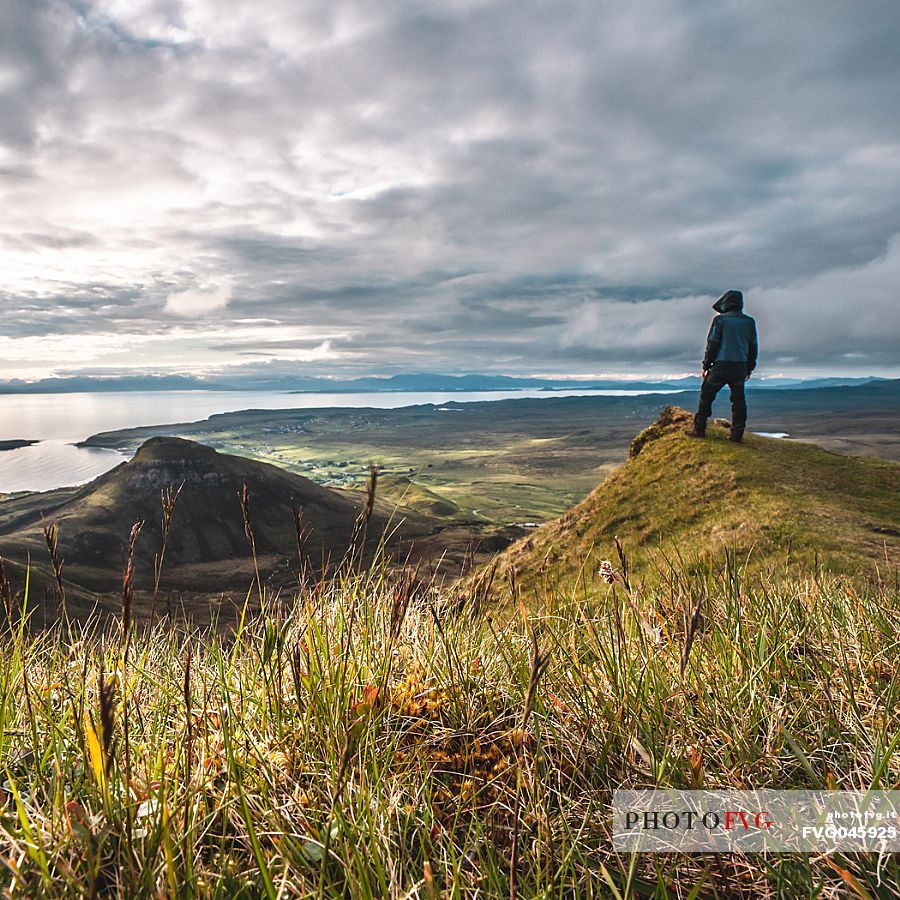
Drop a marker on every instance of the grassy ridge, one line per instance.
(367, 740)
(779, 503)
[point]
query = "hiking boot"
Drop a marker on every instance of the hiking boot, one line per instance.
(736, 437)
(697, 429)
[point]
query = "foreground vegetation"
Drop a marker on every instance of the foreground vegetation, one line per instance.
(374, 736)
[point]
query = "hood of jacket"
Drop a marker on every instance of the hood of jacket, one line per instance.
(729, 302)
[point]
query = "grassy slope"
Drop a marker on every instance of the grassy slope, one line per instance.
(778, 499)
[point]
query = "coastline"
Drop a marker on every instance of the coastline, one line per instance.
(16, 444)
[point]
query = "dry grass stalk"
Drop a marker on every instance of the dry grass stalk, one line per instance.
(244, 498)
(6, 594)
(51, 537)
(168, 498)
(302, 533)
(691, 626)
(106, 698)
(128, 581)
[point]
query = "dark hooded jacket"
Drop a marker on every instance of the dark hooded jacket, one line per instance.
(732, 336)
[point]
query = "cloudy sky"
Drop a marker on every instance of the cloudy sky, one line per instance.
(544, 186)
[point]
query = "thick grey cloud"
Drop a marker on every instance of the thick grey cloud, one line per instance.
(482, 184)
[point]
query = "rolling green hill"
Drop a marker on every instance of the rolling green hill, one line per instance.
(401, 490)
(769, 500)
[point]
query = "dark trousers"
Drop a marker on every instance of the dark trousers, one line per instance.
(733, 374)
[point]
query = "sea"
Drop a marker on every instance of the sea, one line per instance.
(59, 421)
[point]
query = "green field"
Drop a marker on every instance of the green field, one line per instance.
(490, 463)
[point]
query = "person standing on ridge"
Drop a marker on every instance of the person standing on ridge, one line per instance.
(731, 351)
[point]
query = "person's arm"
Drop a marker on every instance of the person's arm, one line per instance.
(753, 351)
(713, 342)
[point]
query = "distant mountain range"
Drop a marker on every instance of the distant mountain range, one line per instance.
(413, 382)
